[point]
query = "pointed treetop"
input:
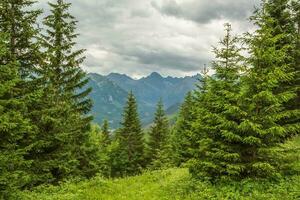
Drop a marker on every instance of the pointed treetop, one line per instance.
(105, 132)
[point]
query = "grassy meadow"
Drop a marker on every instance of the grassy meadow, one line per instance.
(173, 184)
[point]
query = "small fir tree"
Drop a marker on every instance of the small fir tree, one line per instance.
(105, 133)
(182, 142)
(158, 141)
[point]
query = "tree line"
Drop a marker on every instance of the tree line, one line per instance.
(232, 126)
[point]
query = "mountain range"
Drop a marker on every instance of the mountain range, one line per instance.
(110, 92)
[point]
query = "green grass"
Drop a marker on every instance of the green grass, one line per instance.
(170, 184)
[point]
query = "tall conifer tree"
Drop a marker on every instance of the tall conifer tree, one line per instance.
(130, 159)
(64, 61)
(216, 127)
(63, 122)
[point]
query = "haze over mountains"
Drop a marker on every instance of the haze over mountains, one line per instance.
(110, 92)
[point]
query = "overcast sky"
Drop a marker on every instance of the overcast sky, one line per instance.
(137, 37)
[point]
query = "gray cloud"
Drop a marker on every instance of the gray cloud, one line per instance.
(204, 11)
(137, 37)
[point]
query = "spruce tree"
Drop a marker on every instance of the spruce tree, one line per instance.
(107, 148)
(216, 126)
(14, 127)
(63, 147)
(130, 153)
(265, 123)
(64, 61)
(183, 143)
(158, 141)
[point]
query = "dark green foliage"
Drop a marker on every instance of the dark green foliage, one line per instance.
(20, 23)
(129, 158)
(52, 155)
(14, 127)
(296, 21)
(182, 138)
(295, 103)
(63, 68)
(62, 143)
(21, 52)
(158, 141)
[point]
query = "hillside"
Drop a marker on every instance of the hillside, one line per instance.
(110, 92)
(153, 87)
(108, 99)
